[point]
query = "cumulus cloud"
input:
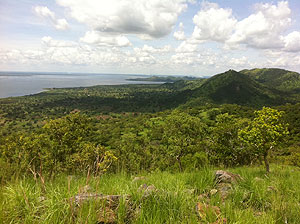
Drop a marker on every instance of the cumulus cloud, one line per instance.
(179, 35)
(45, 12)
(98, 38)
(263, 28)
(213, 23)
(155, 18)
(62, 52)
(49, 42)
(186, 46)
(153, 50)
(292, 42)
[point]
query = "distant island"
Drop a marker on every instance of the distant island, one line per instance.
(163, 78)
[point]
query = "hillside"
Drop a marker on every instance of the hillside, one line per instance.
(234, 87)
(280, 79)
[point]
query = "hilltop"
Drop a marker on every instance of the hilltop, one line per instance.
(280, 79)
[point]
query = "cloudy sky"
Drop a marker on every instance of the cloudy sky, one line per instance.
(179, 37)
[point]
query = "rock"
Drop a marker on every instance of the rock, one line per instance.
(83, 197)
(135, 179)
(222, 176)
(224, 181)
(224, 189)
(107, 205)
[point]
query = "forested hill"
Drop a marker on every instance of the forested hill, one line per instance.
(280, 79)
(233, 87)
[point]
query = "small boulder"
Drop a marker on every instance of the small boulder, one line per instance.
(222, 176)
(224, 189)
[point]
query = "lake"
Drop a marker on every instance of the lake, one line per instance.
(25, 83)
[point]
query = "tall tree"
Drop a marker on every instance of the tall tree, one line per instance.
(264, 132)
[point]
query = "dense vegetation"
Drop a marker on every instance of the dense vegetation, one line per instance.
(183, 126)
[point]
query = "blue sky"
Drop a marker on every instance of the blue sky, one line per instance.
(171, 37)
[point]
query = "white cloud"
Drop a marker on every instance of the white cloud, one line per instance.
(263, 28)
(49, 42)
(179, 35)
(155, 18)
(61, 52)
(292, 42)
(59, 24)
(98, 38)
(44, 12)
(185, 46)
(153, 50)
(213, 23)
(288, 60)
(239, 62)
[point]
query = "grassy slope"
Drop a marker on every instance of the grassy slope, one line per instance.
(256, 199)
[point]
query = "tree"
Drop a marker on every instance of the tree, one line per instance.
(264, 132)
(67, 145)
(223, 144)
(183, 137)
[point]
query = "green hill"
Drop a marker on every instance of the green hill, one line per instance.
(280, 79)
(233, 87)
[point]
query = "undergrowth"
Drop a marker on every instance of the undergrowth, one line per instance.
(258, 198)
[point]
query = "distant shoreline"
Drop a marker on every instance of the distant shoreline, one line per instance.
(163, 78)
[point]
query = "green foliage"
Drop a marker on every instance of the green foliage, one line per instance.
(265, 131)
(276, 78)
(62, 146)
(223, 144)
(183, 136)
(233, 87)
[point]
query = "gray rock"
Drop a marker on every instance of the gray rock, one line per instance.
(222, 176)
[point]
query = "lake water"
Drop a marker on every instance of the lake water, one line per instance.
(20, 84)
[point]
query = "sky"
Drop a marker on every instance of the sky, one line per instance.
(167, 37)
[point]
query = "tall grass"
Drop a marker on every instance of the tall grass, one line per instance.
(258, 198)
